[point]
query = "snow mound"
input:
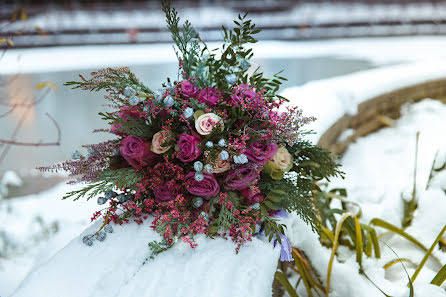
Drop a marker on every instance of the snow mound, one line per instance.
(115, 267)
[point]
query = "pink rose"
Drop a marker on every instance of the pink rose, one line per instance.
(206, 188)
(188, 150)
(157, 142)
(259, 152)
(220, 166)
(206, 122)
(241, 178)
(165, 193)
(242, 93)
(188, 89)
(136, 151)
(252, 195)
(209, 96)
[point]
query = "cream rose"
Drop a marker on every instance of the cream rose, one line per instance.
(157, 141)
(206, 122)
(282, 160)
(220, 166)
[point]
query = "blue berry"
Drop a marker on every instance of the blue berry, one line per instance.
(241, 159)
(101, 236)
(222, 142)
(158, 96)
(224, 155)
(255, 205)
(76, 155)
(198, 166)
(188, 112)
(170, 87)
(92, 152)
(209, 144)
(199, 176)
(110, 194)
(197, 202)
(134, 100)
(102, 200)
(208, 168)
(122, 198)
(231, 78)
(168, 101)
(204, 215)
(108, 229)
(244, 64)
(129, 91)
(88, 240)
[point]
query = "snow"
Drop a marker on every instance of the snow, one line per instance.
(33, 228)
(115, 268)
(341, 95)
(379, 172)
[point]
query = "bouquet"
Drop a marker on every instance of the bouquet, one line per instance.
(217, 152)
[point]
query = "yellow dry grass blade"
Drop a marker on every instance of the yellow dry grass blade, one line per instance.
(439, 279)
(359, 243)
(334, 248)
(327, 233)
(283, 280)
(307, 269)
(399, 231)
(427, 255)
(391, 263)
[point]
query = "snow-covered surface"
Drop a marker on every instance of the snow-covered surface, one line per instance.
(115, 268)
(33, 228)
(379, 169)
(380, 51)
(341, 95)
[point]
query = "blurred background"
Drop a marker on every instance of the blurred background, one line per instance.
(44, 44)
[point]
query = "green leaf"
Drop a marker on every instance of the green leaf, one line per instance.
(439, 279)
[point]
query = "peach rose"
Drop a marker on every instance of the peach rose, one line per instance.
(157, 141)
(220, 166)
(282, 160)
(206, 122)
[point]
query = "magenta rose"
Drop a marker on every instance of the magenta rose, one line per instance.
(206, 188)
(252, 195)
(242, 93)
(241, 178)
(123, 113)
(136, 151)
(188, 89)
(259, 152)
(209, 96)
(165, 193)
(188, 150)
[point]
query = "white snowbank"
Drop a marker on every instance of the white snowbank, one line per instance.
(115, 268)
(341, 95)
(34, 227)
